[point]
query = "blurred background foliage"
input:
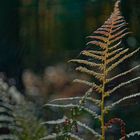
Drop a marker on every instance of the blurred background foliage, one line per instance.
(37, 37)
(37, 33)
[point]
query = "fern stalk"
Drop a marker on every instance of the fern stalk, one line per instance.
(102, 101)
(103, 92)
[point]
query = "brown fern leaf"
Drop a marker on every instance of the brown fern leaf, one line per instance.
(108, 39)
(103, 55)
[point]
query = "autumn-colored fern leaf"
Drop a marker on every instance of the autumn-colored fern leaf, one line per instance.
(103, 55)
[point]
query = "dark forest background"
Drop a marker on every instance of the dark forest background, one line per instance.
(37, 33)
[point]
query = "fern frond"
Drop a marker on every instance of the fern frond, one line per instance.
(120, 20)
(110, 60)
(97, 75)
(29, 125)
(121, 100)
(119, 28)
(59, 121)
(103, 55)
(5, 125)
(92, 55)
(85, 62)
(115, 46)
(84, 82)
(101, 32)
(123, 84)
(97, 52)
(132, 134)
(107, 24)
(97, 135)
(54, 136)
(121, 60)
(89, 111)
(122, 74)
(114, 52)
(92, 113)
(6, 106)
(61, 106)
(5, 110)
(117, 34)
(93, 85)
(101, 38)
(105, 30)
(4, 118)
(95, 101)
(8, 137)
(97, 43)
(75, 136)
(119, 37)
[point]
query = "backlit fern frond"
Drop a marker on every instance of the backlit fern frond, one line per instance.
(107, 39)
(132, 134)
(103, 55)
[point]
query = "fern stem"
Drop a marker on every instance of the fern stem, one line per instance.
(102, 103)
(103, 94)
(104, 86)
(102, 119)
